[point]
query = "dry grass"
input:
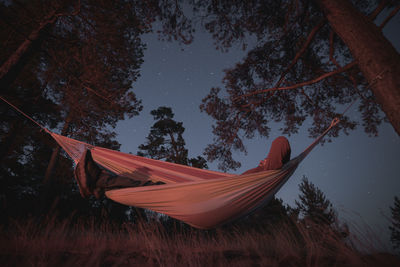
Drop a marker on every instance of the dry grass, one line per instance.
(53, 243)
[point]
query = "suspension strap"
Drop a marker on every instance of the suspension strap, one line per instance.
(27, 116)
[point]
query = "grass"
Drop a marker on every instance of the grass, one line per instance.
(88, 243)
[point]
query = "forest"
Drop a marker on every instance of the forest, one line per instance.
(70, 67)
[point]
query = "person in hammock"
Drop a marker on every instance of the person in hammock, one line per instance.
(93, 180)
(279, 154)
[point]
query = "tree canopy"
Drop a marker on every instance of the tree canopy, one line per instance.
(165, 140)
(70, 65)
(306, 63)
(313, 204)
(395, 226)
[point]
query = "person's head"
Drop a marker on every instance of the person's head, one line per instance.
(279, 153)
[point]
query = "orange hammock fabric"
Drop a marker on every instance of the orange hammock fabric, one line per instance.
(201, 198)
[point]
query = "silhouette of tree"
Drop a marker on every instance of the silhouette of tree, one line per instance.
(313, 204)
(269, 217)
(310, 58)
(87, 54)
(395, 227)
(165, 141)
(24, 24)
(70, 65)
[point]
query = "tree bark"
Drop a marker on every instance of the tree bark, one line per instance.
(54, 155)
(14, 58)
(376, 57)
(9, 140)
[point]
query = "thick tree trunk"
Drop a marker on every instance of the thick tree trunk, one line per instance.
(54, 155)
(377, 59)
(48, 197)
(52, 164)
(9, 142)
(15, 57)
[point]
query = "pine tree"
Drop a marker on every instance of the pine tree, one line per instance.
(274, 214)
(82, 57)
(395, 227)
(165, 141)
(70, 65)
(313, 204)
(309, 59)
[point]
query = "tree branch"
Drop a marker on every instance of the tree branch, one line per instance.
(237, 126)
(307, 97)
(74, 13)
(302, 50)
(82, 83)
(23, 47)
(388, 18)
(96, 93)
(287, 15)
(377, 10)
(331, 49)
(298, 85)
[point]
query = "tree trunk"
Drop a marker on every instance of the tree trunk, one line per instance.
(377, 59)
(9, 142)
(54, 155)
(14, 58)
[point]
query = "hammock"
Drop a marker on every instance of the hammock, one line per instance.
(201, 198)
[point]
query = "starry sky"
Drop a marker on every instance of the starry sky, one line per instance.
(360, 175)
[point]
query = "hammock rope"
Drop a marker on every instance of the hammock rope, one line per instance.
(24, 114)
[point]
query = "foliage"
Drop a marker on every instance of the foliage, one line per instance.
(267, 218)
(165, 140)
(297, 68)
(313, 204)
(72, 67)
(59, 69)
(395, 227)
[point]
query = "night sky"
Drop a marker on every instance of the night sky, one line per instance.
(360, 175)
